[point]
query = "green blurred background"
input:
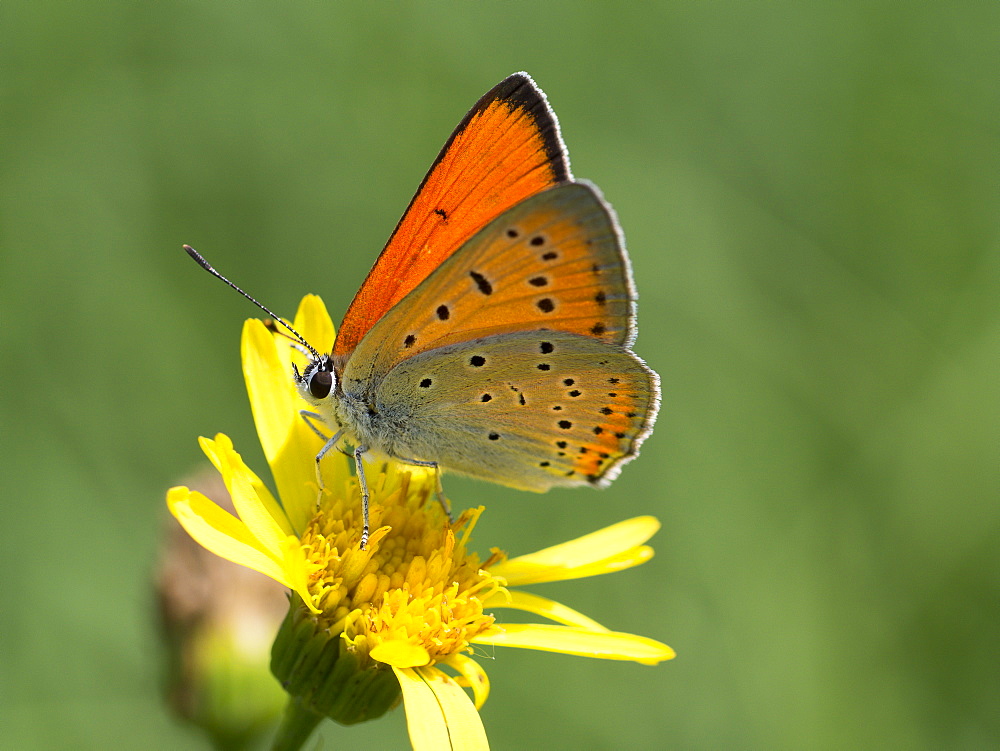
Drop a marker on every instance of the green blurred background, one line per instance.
(810, 196)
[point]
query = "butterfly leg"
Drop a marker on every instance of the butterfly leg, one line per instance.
(308, 418)
(358, 451)
(331, 443)
(442, 499)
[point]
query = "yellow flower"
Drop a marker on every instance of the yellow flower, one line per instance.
(411, 603)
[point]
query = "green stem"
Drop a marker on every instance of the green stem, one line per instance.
(297, 724)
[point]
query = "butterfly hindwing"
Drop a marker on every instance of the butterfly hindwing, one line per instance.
(530, 410)
(555, 261)
(505, 149)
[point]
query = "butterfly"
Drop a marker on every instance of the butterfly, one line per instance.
(492, 336)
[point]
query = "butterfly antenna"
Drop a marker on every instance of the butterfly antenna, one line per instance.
(200, 259)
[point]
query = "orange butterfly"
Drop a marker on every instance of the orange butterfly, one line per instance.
(491, 337)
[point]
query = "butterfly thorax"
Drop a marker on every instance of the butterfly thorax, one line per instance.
(370, 422)
(354, 408)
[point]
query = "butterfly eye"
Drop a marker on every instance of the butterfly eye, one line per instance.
(320, 383)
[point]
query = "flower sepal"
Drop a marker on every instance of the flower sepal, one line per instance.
(324, 677)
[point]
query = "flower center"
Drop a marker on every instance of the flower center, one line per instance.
(415, 583)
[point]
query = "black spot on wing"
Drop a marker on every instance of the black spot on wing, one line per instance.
(482, 283)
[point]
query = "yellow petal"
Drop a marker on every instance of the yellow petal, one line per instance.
(607, 645)
(251, 498)
(271, 399)
(474, 675)
(222, 533)
(541, 606)
(424, 718)
(314, 323)
(610, 549)
(400, 654)
(298, 570)
(523, 572)
(285, 437)
(465, 726)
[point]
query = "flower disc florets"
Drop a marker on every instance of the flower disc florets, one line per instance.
(414, 594)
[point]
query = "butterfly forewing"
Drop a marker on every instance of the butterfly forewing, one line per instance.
(553, 262)
(505, 149)
(529, 410)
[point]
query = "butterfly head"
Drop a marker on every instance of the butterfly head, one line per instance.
(318, 380)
